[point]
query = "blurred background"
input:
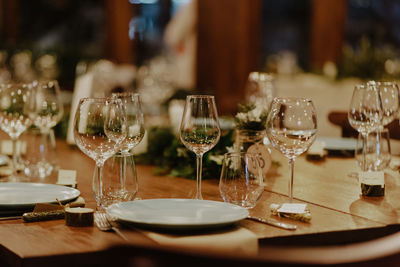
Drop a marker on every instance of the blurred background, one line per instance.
(204, 45)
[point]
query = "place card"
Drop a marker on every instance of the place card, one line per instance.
(67, 178)
(297, 208)
(264, 159)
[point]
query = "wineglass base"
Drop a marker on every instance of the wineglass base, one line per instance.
(42, 169)
(16, 178)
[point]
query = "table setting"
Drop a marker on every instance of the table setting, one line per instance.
(237, 197)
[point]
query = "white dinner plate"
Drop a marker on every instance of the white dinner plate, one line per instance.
(14, 196)
(338, 143)
(177, 213)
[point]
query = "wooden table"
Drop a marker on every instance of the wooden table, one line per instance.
(332, 196)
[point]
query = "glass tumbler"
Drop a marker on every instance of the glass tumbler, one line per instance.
(241, 180)
(116, 187)
(377, 150)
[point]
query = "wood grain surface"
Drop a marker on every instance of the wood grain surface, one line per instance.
(332, 197)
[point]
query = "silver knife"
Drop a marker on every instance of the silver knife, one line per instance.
(10, 218)
(273, 222)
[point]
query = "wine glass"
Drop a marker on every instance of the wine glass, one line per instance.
(365, 112)
(389, 93)
(199, 129)
(241, 181)
(47, 110)
(99, 130)
(15, 115)
(291, 128)
(120, 177)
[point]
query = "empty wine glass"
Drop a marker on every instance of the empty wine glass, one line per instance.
(241, 181)
(200, 129)
(120, 177)
(47, 110)
(291, 128)
(389, 93)
(14, 115)
(99, 130)
(365, 112)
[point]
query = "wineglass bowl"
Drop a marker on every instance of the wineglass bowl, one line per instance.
(241, 182)
(389, 93)
(99, 129)
(200, 130)
(134, 120)
(365, 112)
(291, 129)
(15, 114)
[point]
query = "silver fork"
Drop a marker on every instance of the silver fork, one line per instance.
(102, 222)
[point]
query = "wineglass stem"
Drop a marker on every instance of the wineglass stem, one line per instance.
(199, 161)
(43, 146)
(98, 185)
(14, 155)
(123, 173)
(291, 169)
(364, 153)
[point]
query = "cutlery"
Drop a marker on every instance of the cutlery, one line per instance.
(273, 222)
(102, 222)
(10, 218)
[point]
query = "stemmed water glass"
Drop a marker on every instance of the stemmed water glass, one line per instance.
(365, 112)
(47, 110)
(99, 130)
(389, 93)
(120, 177)
(200, 129)
(15, 115)
(291, 128)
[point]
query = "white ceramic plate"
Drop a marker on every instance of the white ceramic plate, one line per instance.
(177, 213)
(338, 143)
(26, 195)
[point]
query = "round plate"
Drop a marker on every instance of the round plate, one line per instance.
(26, 195)
(177, 213)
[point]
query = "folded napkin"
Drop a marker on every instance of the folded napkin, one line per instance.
(234, 240)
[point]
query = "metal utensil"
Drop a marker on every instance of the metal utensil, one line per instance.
(273, 222)
(102, 222)
(10, 218)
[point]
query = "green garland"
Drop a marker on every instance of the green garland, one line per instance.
(172, 158)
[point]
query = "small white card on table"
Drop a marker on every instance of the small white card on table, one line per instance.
(297, 208)
(67, 177)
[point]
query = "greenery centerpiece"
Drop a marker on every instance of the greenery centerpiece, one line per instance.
(166, 151)
(250, 124)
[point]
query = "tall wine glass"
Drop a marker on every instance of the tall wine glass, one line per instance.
(389, 93)
(291, 128)
(48, 111)
(14, 115)
(365, 112)
(99, 130)
(200, 129)
(126, 187)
